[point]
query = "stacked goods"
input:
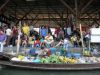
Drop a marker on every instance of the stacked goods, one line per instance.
(56, 59)
(21, 58)
(86, 53)
(50, 59)
(67, 60)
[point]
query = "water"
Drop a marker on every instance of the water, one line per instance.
(14, 71)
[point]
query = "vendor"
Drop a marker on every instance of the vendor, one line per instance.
(74, 40)
(49, 39)
(66, 44)
(37, 43)
(50, 51)
(32, 52)
(2, 40)
(25, 40)
(26, 29)
(60, 43)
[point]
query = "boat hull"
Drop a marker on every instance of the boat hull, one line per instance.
(39, 66)
(5, 60)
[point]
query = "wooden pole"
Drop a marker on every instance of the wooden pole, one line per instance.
(89, 40)
(89, 45)
(82, 37)
(18, 42)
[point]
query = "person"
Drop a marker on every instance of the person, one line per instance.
(2, 40)
(31, 41)
(31, 32)
(49, 30)
(61, 34)
(49, 51)
(60, 43)
(56, 32)
(15, 34)
(79, 41)
(66, 44)
(74, 40)
(43, 32)
(25, 40)
(32, 52)
(87, 38)
(37, 43)
(26, 29)
(49, 39)
(9, 36)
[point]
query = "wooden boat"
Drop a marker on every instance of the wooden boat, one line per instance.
(4, 60)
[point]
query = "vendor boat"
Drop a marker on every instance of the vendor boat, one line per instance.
(5, 59)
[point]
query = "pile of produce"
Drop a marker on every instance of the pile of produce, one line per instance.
(86, 53)
(51, 59)
(56, 59)
(21, 58)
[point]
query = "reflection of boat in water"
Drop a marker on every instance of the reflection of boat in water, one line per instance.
(5, 60)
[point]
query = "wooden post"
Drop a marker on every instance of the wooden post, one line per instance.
(82, 37)
(89, 45)
(18, 42)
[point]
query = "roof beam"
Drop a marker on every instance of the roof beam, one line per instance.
(36, 16)
(4, 5)
(97, 11)
(76, 8)
(95, 21)
(83, 9)
(65, 4)
(76, 12)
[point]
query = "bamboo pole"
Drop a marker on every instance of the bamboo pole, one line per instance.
(18, 42)
(82, 38)
(89, 45)
(89, 41)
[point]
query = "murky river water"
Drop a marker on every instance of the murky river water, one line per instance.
(16, 71)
